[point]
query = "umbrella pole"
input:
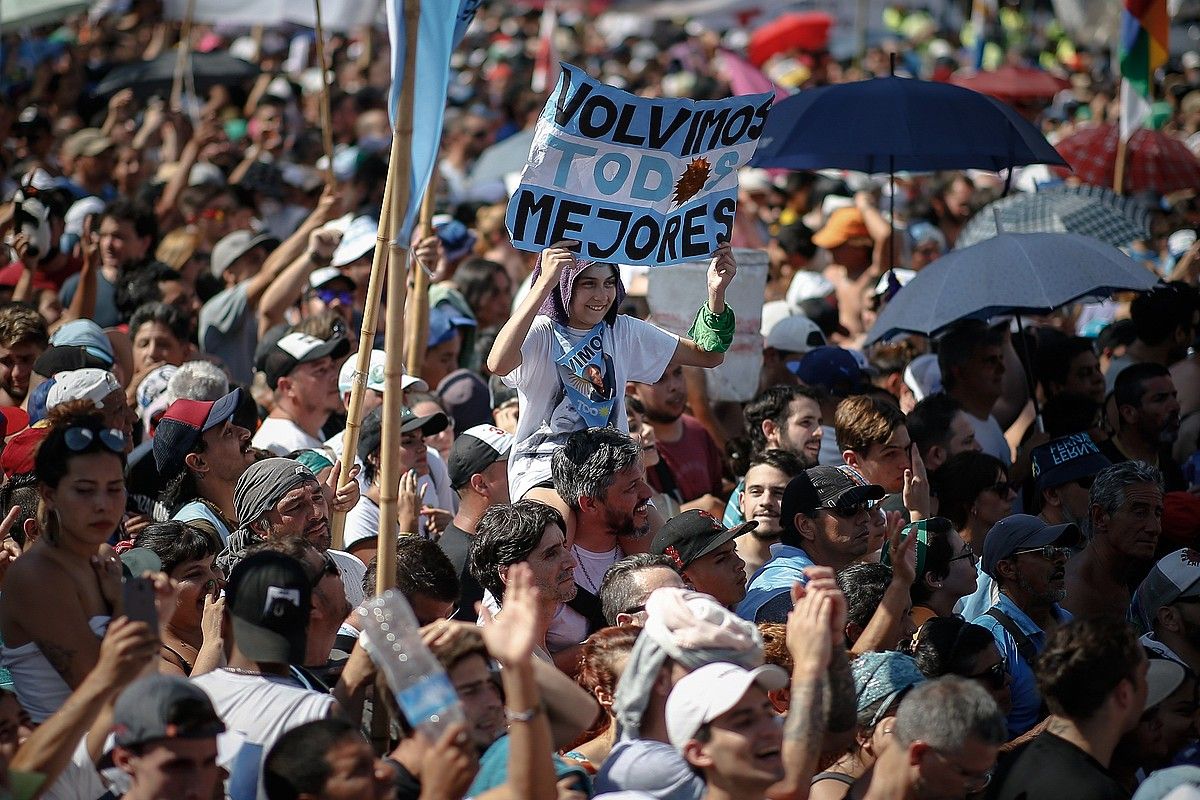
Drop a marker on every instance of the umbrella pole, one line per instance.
(181, 54)
(1027, 368)
(323, 100)
(416, 320)
(397, 280)
(1119, 168)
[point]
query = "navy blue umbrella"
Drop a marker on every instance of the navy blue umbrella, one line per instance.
(1013, 273)
(890, 124)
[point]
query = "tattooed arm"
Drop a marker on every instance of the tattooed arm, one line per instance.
(810, 643)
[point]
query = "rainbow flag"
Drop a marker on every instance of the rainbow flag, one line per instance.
(1144, 30)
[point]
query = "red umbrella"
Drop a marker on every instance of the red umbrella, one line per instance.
(806, 30)
(1012, 83)
(1153, 160)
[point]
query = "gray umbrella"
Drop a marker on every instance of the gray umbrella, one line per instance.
(1088, 210)
(1013, 273)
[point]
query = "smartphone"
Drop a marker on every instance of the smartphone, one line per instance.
(139, 601)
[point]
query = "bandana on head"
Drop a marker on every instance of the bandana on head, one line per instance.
(559, 301)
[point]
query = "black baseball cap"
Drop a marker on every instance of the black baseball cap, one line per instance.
(294, 349)
(694, 534)
(836, 489)
(799, 497)
(269, 598)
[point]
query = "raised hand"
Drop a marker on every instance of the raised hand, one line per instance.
(903, 555)
(916, 487)
(449, 765)
(127, 648)
(510, 637)
(344, 497)
(408, 502)
(721, 270)
(555, 259)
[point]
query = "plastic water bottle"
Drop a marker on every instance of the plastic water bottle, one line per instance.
(421, 687)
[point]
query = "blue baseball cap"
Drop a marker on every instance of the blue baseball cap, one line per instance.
(1021, 531)
(443, 321)
(86, 334)
(834, 369)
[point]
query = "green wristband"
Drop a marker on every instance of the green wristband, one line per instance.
(711, 332)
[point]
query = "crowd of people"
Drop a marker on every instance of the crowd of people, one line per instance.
(923, 569)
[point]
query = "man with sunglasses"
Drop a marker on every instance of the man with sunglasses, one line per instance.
(825, 521)
(1027, 558)
(1063, 471)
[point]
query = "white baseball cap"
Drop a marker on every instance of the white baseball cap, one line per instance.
(357, 241)
(375, 375)
(707, 693)
(795, 334)
(88, 383)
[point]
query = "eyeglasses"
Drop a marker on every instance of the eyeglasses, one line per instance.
(79, 439)
(971, 782)
(329, 567)
(967, 552)
(994, 676)
(1002, 488)
(328, 296)
(1048, 552)
(634, 610)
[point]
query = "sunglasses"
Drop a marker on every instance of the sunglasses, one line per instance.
(328, 296)
(994, 676)
(1002, 488)
(849, 511)
(1048, 552)
(967, 552)
(79, 439)
(327, 568)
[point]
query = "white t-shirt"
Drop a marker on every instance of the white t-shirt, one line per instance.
(990, 436)
(362, 521)
(282, 436)
(637, 351)
(590, 567)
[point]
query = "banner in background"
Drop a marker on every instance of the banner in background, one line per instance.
(635, 180)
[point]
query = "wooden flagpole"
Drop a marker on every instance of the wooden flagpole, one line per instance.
(399, 171)
(416, 319)
(323, 100)
(182, 51)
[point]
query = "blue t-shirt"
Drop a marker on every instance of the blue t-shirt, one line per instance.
(493, 770)
(773, 579)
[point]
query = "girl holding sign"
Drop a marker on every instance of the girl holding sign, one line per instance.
(568, 353)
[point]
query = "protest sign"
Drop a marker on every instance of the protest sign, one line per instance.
(635, 180)
(337, 15)
(675, 294)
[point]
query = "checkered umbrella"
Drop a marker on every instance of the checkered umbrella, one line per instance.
(1087, 210)
(1153, 160)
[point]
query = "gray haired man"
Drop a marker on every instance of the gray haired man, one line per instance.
(1125, 520)
(630, 581)
(947, 732)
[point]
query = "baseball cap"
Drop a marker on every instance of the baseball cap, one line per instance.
(87, 142)
(843, 225)
(457, 239)
(82, 384)
(1176, 783)
(466, 399)
(1163, 677)
(1066, 459)
(443, 320)
(475, 450)
(324, 275)
(502, 394)
(796, 334)
(64, 358)
(881, 677)
(17, 456)
(370, 436)
(183, 423)
(1174, 577)
(233, 246)
(358, 240)
(799, 497)
(294, 349)
(708, 692)
(376, 375)
(269, 598)
(12, 420)
(834, 369)
(836, 489)
(163, 707)
(86, 334)
(694, 534)
(1021, 531)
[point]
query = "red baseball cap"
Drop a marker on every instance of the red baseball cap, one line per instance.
(17, 458)
(183, 423)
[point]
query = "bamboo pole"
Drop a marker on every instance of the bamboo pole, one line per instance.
(416, 318)
(323, 99)
(400, 171)
(182, 51)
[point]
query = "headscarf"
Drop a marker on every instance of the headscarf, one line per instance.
(690, 628)
(256, 492)
(558, 302)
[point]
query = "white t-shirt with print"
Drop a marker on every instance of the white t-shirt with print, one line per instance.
(282, 436)
(638, 351)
